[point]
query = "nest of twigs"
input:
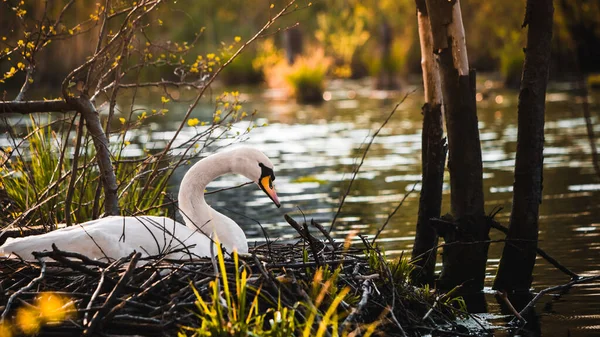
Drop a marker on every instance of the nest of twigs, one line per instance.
(154, 296)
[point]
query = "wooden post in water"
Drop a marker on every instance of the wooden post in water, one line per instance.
(518, 257)
(465, 252)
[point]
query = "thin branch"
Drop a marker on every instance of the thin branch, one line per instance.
(229, 188)
(362, 160)
(193, 105)
(541, 253)
(98, 43)
(71, 188)
(393, 213)
(25, 288)
(26, 83)
(112, 297)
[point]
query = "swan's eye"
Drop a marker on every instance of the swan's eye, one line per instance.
(266, 172)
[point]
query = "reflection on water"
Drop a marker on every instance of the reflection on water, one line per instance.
(314, 149)
(322, 143)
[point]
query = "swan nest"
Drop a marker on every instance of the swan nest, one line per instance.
(156, 297)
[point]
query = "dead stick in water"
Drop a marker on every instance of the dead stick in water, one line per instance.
(542, 253)
(502, 295)
(551, 289)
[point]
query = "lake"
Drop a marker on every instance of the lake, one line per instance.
(315, 148)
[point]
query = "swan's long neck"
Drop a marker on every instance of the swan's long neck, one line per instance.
(195, 210)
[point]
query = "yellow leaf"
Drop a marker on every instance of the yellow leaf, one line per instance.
(52, 307)
(5, 330)
(28, 320)
(122, 120)
(237, 39)
(164, 99)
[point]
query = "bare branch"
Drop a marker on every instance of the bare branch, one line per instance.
(362, 160)
(26, 83)
(71, 188)
(393, 213)
(200, 94)
(566, 286)
(28, 107)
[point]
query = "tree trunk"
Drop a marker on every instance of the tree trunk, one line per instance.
(433, 154)
(107, 172)
(465, 252)
(518, 256)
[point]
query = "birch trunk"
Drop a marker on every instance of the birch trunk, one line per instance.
(433, 154)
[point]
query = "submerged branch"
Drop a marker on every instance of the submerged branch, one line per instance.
(541, 253)
(539, 295)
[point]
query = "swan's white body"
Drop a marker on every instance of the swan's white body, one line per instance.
(117, 236)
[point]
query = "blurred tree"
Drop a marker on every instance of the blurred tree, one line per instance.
(580, 19)
(342, 30)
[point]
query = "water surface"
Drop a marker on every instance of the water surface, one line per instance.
(315, 149)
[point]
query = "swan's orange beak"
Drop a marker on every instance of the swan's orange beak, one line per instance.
(266, 184)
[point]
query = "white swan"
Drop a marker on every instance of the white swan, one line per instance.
(117, 236)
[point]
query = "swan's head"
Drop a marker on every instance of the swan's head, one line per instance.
(257, 167)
